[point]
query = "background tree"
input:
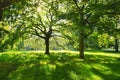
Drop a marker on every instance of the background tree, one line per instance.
(85, 16)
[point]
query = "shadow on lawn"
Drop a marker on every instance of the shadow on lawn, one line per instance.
(107, 68)
(107, 72)
(52, 67)
(58, 67)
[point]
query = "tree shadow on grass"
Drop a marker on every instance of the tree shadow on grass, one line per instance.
(6, 68)
(69, 68)
(59, 67)
(52, 67)
(105, 67)
(107, 72)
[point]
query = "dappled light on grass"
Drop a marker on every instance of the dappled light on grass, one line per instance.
(60, 66)
(106, 72)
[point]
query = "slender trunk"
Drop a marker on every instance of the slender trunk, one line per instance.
(47, 46)
(81, 47)
(116, 45)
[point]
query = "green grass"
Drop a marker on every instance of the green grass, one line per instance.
(60, 65)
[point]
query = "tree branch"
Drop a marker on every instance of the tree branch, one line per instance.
(40, 28)
(37, 34)
(40, 19)
(89, 15)
(76, 4)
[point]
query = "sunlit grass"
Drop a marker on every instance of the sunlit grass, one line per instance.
(60, 65)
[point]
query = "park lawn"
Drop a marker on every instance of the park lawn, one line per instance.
(60, 65)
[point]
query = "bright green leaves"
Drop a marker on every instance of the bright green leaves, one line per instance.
(105, 40)
(107, 25)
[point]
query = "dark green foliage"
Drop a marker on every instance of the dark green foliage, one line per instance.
(6, 3)
(11, 38)
(92, 42)
(13, 22)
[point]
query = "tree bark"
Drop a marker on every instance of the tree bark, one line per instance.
(47, 46)
(81, 48)
(116, 45)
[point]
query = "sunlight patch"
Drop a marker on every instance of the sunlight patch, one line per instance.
(43, 62)
(73, 75)
(96, 77)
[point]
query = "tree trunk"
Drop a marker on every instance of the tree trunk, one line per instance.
(47, 46)
(116, 45)
(81, 47)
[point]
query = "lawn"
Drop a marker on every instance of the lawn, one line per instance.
(60, 65)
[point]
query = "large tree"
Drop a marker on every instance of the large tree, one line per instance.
(85, 16)
(44, 20)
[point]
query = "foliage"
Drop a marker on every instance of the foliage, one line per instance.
(105, 41)
(92, 41)
(14, 23)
